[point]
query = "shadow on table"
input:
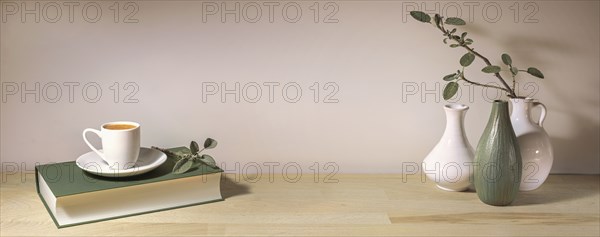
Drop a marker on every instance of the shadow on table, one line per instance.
(545, 195)
(231, 187)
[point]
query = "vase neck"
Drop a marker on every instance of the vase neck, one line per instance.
(455, 121)
(499, 112)
(520, 110)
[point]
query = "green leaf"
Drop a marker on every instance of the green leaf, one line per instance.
(469, 40)
(208, 160)
(467, 59)
(450, 90)
(491, 69)
(420, 16)
(506, 59)
(535, 72)
(438, 19)
(210, 143)
(445, 40)
(463, 35)
(453, 31)
(194, 148)
(454, 45)
(183, 165)
(450, 77)
(514, 70)
(455, 21)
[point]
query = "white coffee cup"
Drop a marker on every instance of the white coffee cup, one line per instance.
(120, 143)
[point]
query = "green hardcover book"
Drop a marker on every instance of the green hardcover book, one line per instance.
(73, 196)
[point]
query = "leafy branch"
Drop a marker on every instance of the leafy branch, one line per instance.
(187, 161)
(468, 58)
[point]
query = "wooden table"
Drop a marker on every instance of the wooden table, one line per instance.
(357, 205)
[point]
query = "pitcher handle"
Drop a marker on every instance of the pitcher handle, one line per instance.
(543, 114)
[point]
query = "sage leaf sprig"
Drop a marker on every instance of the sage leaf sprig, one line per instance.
(460, 40)
(186, 161)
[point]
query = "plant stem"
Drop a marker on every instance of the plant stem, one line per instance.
(164, 150)
(170, 153)
(487, 61)
(506, 88)
(462, 76)
(514, 81)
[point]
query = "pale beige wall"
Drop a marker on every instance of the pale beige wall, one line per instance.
(369, 54)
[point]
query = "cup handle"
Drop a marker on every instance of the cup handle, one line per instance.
(89, 144)
(543, 114)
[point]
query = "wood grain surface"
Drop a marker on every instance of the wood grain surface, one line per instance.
(357, 205)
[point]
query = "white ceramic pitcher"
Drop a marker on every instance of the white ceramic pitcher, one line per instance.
(534, 142)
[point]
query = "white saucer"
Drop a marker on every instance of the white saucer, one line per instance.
(148, 160)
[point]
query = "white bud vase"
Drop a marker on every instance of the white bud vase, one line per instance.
(536, 148)
(450, 163)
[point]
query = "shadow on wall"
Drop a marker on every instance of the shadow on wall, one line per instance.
(519, 45)
(580, 152)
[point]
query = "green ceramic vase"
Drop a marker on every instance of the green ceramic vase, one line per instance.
(498, 159)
